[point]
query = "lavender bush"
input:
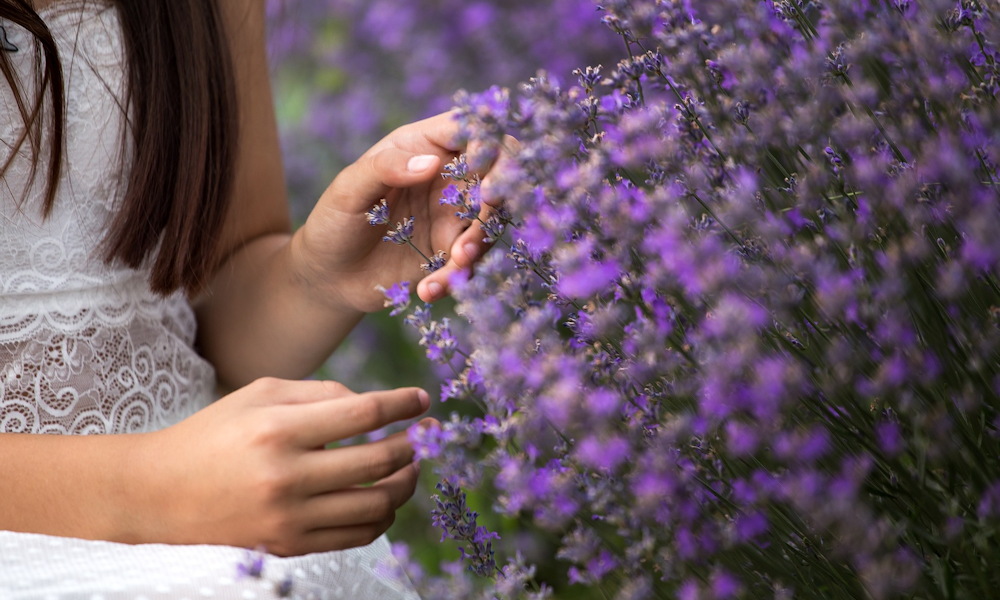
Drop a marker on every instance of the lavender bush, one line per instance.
(739, 334)
(371, 65)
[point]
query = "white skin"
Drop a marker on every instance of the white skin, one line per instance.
(252, 468)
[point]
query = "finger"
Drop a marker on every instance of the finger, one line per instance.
(360, 505)
(272, 391)
(437, 285)
(339, 468)
(500, 172)
(488, 156)
(371, 178)
(481, 155)
(403, 158)
(431, 135)
(471, 244)
(342, 538)
(319, 423)
(466, 250)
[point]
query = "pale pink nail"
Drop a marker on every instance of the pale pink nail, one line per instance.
(420, 163)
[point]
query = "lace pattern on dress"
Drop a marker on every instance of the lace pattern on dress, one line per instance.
(85, 347)
(120, 368)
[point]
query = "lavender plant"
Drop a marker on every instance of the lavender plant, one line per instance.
(372, 65)
(740, 335)
(252, 567)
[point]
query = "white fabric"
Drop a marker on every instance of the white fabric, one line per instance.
(87, 348)
(40, 566)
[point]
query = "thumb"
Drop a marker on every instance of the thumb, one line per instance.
(370, 178)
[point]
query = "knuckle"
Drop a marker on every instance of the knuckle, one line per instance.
(406, 132)
(372, 162)
(273, 485)
(335, 388)
(266, 385)
(269, 432)
(380, 462)
(381, 506)
(368, 411)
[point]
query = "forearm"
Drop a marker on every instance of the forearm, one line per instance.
(73, 486)
(262, 316)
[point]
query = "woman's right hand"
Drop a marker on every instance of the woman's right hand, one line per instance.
(252, 469)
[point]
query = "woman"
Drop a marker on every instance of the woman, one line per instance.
(144, 216)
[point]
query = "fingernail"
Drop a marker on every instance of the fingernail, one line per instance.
(420, 163)
(425, 399)
(471, 251)
(435, 289)
(416, 466)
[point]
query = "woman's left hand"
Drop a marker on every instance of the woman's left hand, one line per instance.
(344, 258)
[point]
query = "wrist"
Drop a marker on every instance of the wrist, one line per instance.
(135, 494)
(155, 491)
(317, 284)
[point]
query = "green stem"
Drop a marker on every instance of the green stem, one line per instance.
(638, 81)
(424, 256)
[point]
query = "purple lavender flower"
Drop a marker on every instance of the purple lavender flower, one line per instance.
(252, 564)
(420, 316)
(437, 260)
(379, 214)
(453, 196)
(457, 169)
(457, 522)
(397, 296)
(428, 442)
(468, 200)
(284, 587)
(402, 233)
(437, 338)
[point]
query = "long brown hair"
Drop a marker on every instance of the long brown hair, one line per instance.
(182, 128)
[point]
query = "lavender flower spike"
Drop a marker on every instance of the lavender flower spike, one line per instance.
(379, 214)
(438, 260)
(397, 297)
(402, 233)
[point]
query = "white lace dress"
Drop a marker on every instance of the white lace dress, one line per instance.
(86, 348)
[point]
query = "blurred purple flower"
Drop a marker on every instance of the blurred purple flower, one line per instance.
(397, 296)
